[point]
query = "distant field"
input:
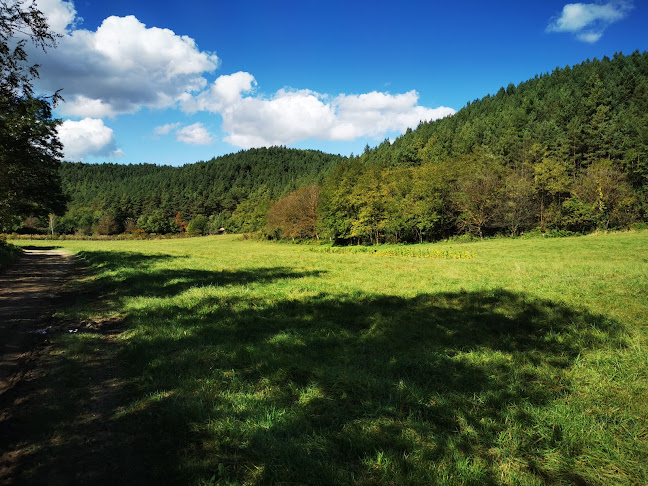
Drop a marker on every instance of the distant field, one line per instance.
(243, 362)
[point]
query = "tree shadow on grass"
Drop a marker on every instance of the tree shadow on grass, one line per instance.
(60, 422)
(330, 389)
(34, 247)
(130, 274)
(376, 389)
(120, 260)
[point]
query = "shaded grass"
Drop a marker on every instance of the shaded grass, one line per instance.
(313, 391)
(252, 363)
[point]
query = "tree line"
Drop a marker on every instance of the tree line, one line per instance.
(564, 151)
(233, 191)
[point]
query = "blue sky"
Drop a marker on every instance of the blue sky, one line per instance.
(176, 82)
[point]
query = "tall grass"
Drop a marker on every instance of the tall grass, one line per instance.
(244, 362)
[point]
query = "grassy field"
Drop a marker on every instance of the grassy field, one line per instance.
(243, 362)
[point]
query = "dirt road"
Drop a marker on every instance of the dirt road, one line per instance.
(28, 292)
(58, 409)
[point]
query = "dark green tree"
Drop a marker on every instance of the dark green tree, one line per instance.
(198, 225)
(30, 150)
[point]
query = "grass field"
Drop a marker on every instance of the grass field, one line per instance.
(244, 362)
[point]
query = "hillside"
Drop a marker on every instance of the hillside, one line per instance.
(594, 110)
(218, 186)
(563, 151)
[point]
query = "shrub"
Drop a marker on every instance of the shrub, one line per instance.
(198, 225)
(8, 253)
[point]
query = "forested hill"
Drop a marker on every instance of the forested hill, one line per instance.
(245, 181)
(594, 110)
(562, 151)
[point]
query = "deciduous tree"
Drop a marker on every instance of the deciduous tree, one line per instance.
(295, 215)
(30, 150)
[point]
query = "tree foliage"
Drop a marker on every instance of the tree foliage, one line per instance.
(566, 150)
(29, 147)
(295, 215)
(234, 190)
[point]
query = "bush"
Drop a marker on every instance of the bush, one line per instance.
(107, 225)
(218, 222)
(8, 253)
(198, 225)
(156, 222)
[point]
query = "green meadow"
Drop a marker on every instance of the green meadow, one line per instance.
(215, 360)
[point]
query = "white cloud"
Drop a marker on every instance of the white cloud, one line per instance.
(87, 137)
(195, 134)
(225, 91)
(376, 113)
(119, 68)
(82, 106)
(124, 66)
(165, 129)
(60, 14)
(588, 21)
(589, 37)
(292, 115)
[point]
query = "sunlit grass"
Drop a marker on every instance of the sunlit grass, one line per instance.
(256, 363)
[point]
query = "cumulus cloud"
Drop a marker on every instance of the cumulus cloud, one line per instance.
(165, 129)
(195, 134)
(377, 113)
(292, 115)
(87, 137)
(225, 91)
(124, 66)
(588, 21)
(119, 68)
(60, 14)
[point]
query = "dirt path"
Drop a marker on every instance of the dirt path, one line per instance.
(59, 398)
(28, 292)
